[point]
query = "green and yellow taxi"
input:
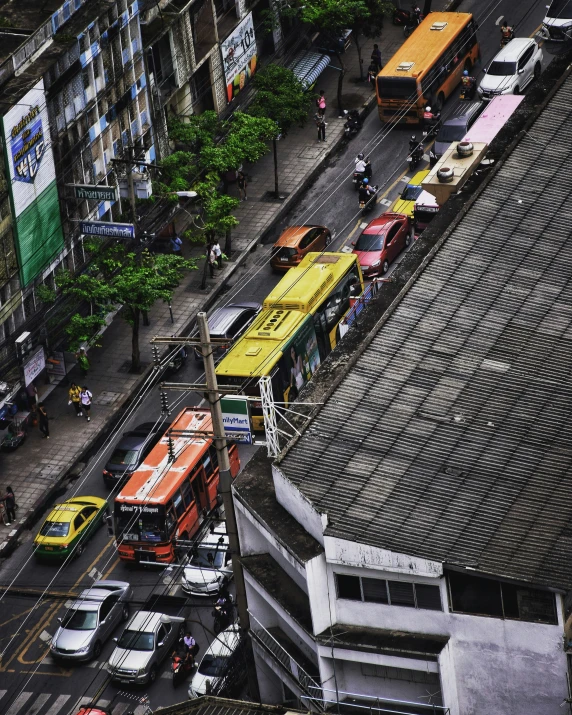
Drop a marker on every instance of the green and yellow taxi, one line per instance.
(406, 202)
(68, 527)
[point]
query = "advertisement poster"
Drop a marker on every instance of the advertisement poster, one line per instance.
(34, 365)
(239, 56)
(301, 359)
(33, 190)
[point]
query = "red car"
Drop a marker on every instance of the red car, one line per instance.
(381, 242)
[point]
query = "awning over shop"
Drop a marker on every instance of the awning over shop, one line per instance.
(308, 66)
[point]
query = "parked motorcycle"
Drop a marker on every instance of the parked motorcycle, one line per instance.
(353, 124)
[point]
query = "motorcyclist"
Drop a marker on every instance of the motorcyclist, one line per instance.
(366, 191)
(415, 149)
(507, 33)
(469, 84)
(413, 144)
(223, 606)
(360, 164)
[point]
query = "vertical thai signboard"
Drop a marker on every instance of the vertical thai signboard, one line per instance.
(239, 56)
(32, 180)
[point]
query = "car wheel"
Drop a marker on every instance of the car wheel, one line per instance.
(537, 70)
(97, 649)
(125, 613)
(516, 90)
(407, 239)
(152, 675)
(328, 239)
(384, 268)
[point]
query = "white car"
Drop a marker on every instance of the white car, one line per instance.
(210, 564)
(147, 640)
(215, 662)
(515, 66)
(557, 24)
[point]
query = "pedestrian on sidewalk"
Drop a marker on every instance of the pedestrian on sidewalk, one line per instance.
(74, 393)
(211, 259)
(32, 392)
(9, 500)
(43, 420)
(321, 124)
(176, 245)
(321, 103)
(241, 183)
(85, 399)
(376, 57)
(82, 361)
(217, 253)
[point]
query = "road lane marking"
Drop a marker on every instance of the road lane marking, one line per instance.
(120, 708)
(84, 700)
(386, 202)
(2, 693)
(19, 703)
(95, 574)
(58, 705)
(45, 637)
(39, 703)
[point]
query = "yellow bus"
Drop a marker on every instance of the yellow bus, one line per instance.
(427, 67)
(297, 328)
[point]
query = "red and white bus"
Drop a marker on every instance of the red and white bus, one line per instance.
(167, 497)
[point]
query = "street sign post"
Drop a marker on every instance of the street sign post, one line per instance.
(105, 229)
(97, 193)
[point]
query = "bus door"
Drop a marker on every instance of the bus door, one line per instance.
(198, 485)
(322, 334)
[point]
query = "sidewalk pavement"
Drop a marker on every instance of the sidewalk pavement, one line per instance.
(38, 467)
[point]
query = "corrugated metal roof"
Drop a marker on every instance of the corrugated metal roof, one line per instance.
(451, 437)
(210, 705)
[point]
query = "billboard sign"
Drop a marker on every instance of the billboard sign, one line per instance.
(236, 418)
(97, 193)
(104, 229)
(32, 183)
(239, 56)
(34, 365)
(301, 359)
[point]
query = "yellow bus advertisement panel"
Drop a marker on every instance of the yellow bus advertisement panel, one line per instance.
(427, 67)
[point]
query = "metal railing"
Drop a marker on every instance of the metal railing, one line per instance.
(306, 682)
(376, 705)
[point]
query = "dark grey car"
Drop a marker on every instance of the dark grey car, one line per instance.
(228, 323)
(131, 450)
(453, 130)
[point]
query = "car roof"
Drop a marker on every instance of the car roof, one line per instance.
(95, 594)
(85, 605)
(293, 235)
(417, 179)
(145, 621)
(67, 510)
(513, 49)
(223, 318)
(382, 222)
(131, 441)
(225, 642)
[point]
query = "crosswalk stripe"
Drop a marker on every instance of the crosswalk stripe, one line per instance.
(19, 703)
(80, 703)
(61, 700)
(39, 703)
(120, 708)
(2, 693)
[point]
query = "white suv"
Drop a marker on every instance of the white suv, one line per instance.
(557, 25)
(515, 66)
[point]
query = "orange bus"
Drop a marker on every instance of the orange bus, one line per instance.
(166, 499)
(427, 67)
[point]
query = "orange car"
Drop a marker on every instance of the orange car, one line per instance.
(295, 242)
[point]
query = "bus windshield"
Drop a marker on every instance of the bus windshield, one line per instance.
(397, 87)
(147, 525)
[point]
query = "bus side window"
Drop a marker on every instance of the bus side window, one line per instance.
(178, 504)
(208, 465)
(187, 495)
(213, 456)
(170, 521)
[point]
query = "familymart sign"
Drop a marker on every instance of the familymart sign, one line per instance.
(236, 418)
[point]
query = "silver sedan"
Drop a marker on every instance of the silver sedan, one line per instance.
(90, 621)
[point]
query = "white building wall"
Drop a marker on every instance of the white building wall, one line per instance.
(296, 503)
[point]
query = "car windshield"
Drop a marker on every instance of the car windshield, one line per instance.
(502, 69)
(134, 640)
(561, 9)
(213, 665)
(411, 193)
(76, 620)
(370, 242)
(208, 557)
(55, 528)
(451, 132)
(124, 456)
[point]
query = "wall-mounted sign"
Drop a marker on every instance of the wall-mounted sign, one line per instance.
(34, 365)
(239, 56)
(98, 193)
(236, 418)
(103, 229)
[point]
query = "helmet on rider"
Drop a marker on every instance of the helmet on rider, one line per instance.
(366, 181)
(465, 73)
(427, 109)
(360, 156)
(413, 138)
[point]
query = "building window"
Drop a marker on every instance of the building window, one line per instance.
(393, 593)
(487, 597)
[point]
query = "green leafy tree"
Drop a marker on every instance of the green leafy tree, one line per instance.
(280, 97)
(370, 27)
(118, 276)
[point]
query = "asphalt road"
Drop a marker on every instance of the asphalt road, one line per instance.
(30, 683)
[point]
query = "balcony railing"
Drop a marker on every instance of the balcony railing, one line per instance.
(354, 704)
(308, 685)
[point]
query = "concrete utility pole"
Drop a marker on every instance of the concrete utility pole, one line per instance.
(224, 468)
